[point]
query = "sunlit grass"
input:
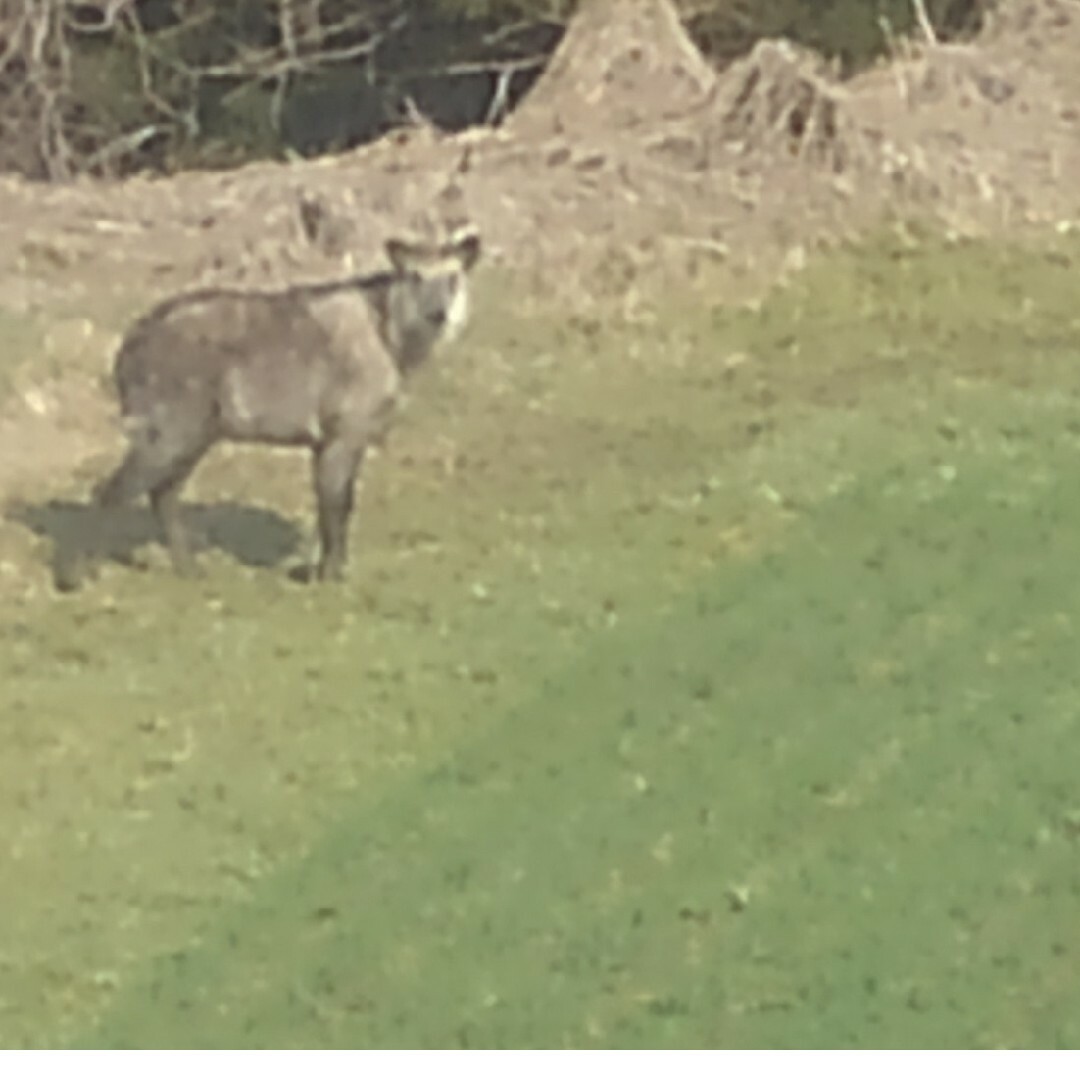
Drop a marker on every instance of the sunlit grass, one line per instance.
(705, 681)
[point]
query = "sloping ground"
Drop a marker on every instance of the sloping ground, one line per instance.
(706, 677)
(630, 164)
(707, 681)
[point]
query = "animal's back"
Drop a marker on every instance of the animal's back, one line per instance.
(191, 339)
(267, 366)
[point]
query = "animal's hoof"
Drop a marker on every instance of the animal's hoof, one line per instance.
(332, 571)
(303, 575)
(69, 575)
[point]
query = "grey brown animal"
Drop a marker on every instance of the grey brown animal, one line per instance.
(317, 366)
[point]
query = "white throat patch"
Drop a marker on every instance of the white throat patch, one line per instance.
(457, 315)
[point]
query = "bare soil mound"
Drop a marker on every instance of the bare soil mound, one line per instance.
(976, 136)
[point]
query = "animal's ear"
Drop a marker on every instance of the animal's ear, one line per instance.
(403, 255)
(466, 247)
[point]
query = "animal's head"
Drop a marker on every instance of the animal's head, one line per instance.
(432, 301)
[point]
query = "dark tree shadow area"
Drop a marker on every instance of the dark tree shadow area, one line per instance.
(83, 534)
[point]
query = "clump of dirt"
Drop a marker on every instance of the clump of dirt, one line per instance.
(621, 63)
(780, 104)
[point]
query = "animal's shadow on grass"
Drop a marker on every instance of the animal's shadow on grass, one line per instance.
(83, 534)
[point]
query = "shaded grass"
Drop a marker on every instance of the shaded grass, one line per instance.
(701, 682)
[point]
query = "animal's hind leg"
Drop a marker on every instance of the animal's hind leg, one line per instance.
(127, 482)
(151, 462)
(165, 501)
(157, 467)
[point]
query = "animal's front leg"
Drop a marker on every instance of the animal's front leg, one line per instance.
(336, 466)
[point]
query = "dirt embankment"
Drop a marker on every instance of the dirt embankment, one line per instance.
(630, 161)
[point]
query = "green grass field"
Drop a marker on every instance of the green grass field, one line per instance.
(705, 682)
